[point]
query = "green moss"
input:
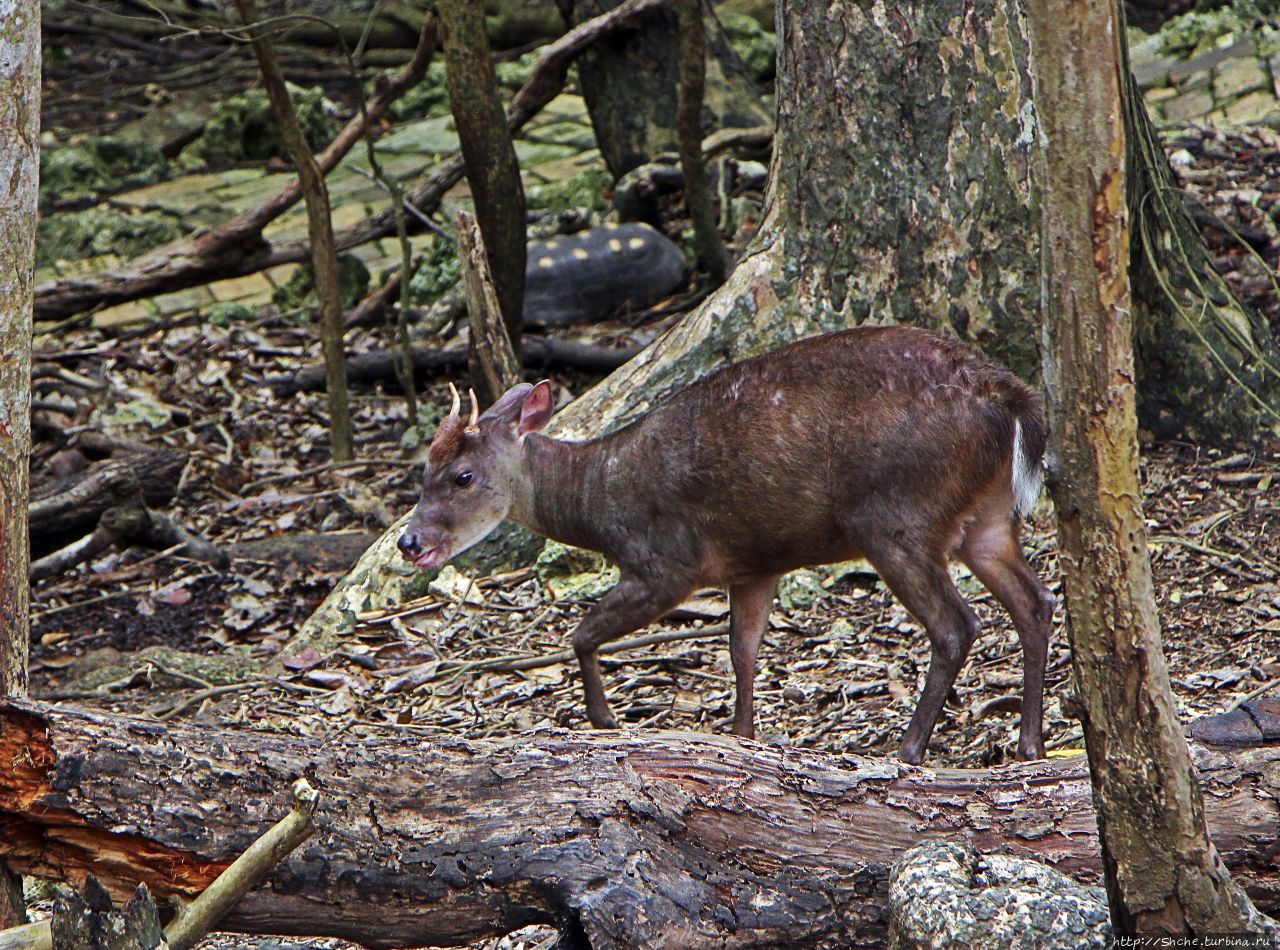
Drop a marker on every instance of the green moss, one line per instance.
(512, 75)
(755, 46)
(299, 291)
(243, 128)
(584, 190)
(438, 273)
(223, 314)
(1200, 31)
(73, 235)
(427, 100)
(101, 165)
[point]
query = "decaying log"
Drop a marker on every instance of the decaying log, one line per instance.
(70, 507)
(629, 839)
(536, 352)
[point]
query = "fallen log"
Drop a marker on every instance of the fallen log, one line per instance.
(69, 507)
(535, 353)
(626, 839)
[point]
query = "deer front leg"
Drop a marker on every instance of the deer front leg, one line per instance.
(631, 604)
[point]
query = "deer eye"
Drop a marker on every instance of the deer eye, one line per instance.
(463, 479)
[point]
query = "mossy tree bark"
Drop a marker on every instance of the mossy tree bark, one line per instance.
(493, 173)
(19, 173)
(324, 254)
(902, 189)
(1164, 876)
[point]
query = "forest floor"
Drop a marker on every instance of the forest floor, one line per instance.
(840, 669)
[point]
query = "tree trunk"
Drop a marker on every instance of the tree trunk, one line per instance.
(493, 174)
(324, 254)
(19, 172)
(629, 82)
(1163, 875)
(697, 191)
(1207, 365)
(664, 839)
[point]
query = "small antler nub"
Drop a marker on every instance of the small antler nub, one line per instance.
(457, 401)
(474, 424)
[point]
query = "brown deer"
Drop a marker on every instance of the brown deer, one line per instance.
(889, 443)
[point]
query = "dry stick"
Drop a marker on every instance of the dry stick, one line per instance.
(198, 917)
(697, 196)
(491, 348)
(324, 255)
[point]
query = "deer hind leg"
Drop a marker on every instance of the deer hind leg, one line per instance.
(993, 551)
(923, 584)
(749, 605)
(629, 605)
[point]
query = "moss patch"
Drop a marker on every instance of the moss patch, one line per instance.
(74, 235)
(98, 166)
(243, 128)
(353, 283)
(438, 273)
(587, 189)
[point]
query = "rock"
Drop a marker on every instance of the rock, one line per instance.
(572, 573)
(103, 165)
(74, 235)
(800, 589)
(946, 894)
(755, 46)
(1237, 76)
(243, 128)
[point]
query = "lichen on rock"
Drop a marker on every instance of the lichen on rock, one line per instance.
(947, 894)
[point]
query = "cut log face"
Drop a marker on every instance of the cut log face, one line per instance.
(660, 839)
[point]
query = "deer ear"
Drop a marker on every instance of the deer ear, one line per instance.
(507, 408)
(537, 409)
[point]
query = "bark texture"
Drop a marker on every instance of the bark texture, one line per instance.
(493, 174)
(661, 839)
(1164, 875)
(492, 359)
(19, 173)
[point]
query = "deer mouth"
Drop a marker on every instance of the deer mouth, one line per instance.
(432, 558)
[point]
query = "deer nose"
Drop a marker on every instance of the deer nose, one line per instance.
(409, 544)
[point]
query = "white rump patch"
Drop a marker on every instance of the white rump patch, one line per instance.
(1027, 475)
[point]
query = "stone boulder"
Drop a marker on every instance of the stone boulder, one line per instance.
(947, 894)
